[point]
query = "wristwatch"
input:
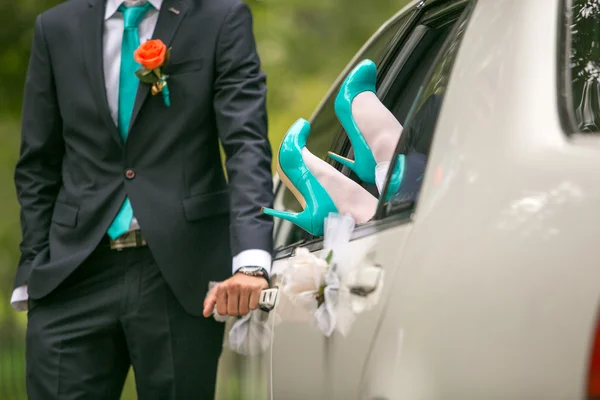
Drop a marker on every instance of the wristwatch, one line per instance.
(254, 271)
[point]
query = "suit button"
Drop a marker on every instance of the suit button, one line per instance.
(129, 173)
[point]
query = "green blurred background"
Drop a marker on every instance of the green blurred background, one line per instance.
(304, 45)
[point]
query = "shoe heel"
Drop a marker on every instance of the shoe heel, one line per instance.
(303, 220)
(342, 160)
(295, 218)
(288, 216)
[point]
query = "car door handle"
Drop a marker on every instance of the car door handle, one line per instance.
(367, 280)
(268, 299)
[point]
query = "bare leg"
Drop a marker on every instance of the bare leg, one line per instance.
(377, 124)
(380, 129)
(348, 196)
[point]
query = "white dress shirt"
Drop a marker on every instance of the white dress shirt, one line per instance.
(112, 39)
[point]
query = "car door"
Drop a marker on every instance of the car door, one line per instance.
(497, 291)
(301, 355)
(306, 364)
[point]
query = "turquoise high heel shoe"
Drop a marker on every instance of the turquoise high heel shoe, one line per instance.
(297, 177)
(361, 79)
(396, 177)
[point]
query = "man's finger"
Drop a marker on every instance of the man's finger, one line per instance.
(233, 300)
(209, 303)
(222, 299)
(254, 298)
(244, 300)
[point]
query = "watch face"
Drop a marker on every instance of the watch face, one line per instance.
(253, 271)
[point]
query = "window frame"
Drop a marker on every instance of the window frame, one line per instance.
(384, 209)
(387, 76)
(564, 73)
(341, 144)
(397, 65)
(407, 18)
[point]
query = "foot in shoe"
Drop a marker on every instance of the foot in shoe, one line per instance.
(377, 124)
(361, 79)
(302, 183)
(371, 128)
(348, 196)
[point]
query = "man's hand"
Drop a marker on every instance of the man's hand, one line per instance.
(236, 296)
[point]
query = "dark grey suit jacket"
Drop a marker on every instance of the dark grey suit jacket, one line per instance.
(71, 179)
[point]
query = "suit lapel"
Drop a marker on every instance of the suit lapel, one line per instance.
(92, 29)
(170, 16)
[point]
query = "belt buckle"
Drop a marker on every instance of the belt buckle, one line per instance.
(117, 244)
(139, 239)
(122, 242)
(127, 240)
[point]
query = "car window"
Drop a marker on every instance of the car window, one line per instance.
(416, 139)
(325, 126)
(407, 63)
(583, 65)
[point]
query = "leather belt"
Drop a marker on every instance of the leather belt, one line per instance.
(128, 240)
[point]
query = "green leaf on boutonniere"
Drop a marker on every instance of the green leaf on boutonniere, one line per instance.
(329, 257)
(320, 297)
(167, 57)
(143, 71)
(145, 75)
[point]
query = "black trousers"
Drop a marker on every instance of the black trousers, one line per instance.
(115, 311)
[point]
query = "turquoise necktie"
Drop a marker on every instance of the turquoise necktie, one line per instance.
(128, 85)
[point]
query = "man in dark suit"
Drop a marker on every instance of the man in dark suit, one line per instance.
(126, 213)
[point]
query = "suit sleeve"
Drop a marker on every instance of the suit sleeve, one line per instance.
(240, 106)
(38, 170)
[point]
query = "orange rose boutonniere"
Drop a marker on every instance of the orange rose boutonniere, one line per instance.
(153, 56)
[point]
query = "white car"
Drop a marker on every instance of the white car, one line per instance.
(492, 285)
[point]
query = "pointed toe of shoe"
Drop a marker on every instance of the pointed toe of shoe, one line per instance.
(362, 78)
(365, 71)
